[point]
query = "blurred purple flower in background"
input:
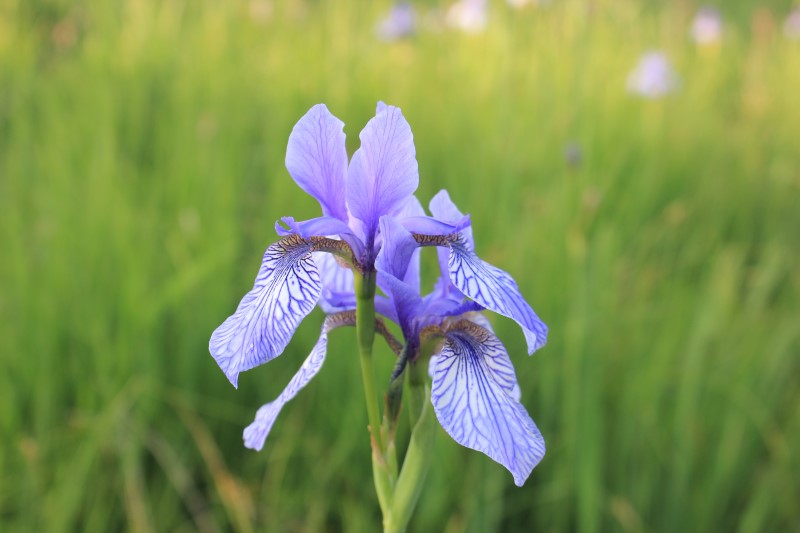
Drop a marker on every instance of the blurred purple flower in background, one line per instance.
(573, 154)
(653, 76)
(469, 16)
(519, 4)
(707, 26)
(400, 22)
(791, 28)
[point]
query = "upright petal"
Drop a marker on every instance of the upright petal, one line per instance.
(317, 159)
(285, 291)
(494, 289)
(476, 399)
(383, 171)
(256, 433)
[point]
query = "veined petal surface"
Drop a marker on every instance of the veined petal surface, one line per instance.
(476, 399)
(256, 433)
(383, 172)
(316, 158)
(285, 291)
(494, 289)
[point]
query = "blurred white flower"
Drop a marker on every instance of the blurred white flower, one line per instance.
(469, 16)
(401, 21)
(792, 25)
(261, 10)
(519, 4)
(653, 76)
(707, 26)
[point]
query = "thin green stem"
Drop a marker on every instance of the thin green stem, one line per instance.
(415, 469)
(365, 330)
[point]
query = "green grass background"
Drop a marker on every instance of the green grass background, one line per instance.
(141, 170)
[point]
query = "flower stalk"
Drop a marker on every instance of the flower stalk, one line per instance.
(365, 332)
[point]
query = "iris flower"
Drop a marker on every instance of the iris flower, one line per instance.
(400, 21)
(653, 76)
(373, 222)
(474, 393)
(379, 180)
(707, 26)
(469, 16)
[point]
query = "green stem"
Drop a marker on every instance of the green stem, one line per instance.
(416, 391)
(365, 331)
(415, 469)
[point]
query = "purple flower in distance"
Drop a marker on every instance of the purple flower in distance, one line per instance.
(379, 180)
(707, 26)
(653, 76)
(791, 28)
(400, 22)
(474, 393)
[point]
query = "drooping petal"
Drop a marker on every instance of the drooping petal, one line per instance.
(476, 400)
(285, 291)
(383, 171)
(495, 290)
(338, 290)
(256, 433)
(316, 158)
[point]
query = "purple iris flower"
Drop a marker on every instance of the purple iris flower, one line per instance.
(380, 180)
(474, 393)
(792, 25)
(653, 76)
(401, 21)
(374, 224)
(707, 26)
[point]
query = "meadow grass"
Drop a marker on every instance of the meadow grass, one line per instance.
(141, 171)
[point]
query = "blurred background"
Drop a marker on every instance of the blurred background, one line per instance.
(635, 165)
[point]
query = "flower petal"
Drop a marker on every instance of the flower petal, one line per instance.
(443, 209)
(431, 226)
(494, 289)
(476, 400)
(317, 159)
(395, 265)
(383, 171)
(338, 290)
(320, 226)
(256, 433)
(285, 291)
